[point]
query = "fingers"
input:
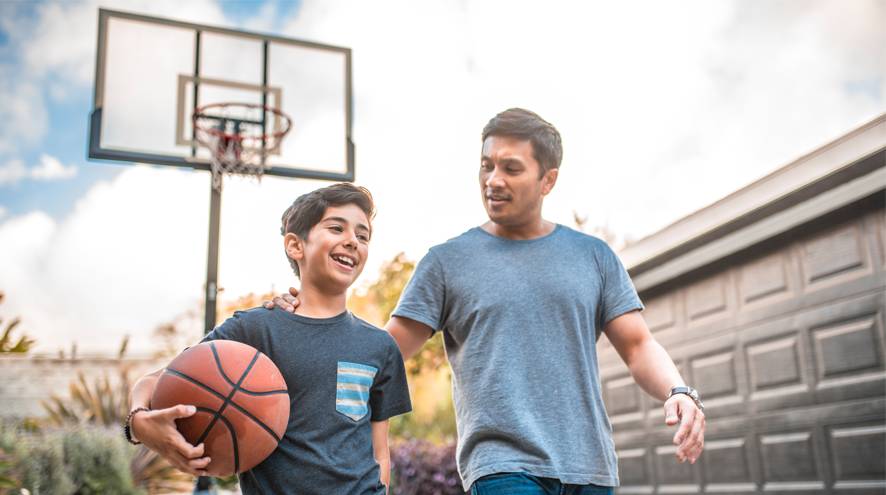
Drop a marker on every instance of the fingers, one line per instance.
(196, 467)
(670, 409)
(267, 305)
(181, 411)
(289, 301)
(690, 436)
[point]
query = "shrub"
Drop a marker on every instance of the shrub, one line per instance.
(78, 459)
(421, 467)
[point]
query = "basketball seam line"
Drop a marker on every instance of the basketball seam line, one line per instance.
(220, 396)
(218, 415)
(235, 388)
(227, 400)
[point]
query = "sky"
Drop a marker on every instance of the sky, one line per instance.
(664, 107)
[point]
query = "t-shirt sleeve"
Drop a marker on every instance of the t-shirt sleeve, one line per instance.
(619, 294)
(424, 297)
(230, 329)
(389, 395)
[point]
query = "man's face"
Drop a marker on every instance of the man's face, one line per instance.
(509, 181)
(336, 250)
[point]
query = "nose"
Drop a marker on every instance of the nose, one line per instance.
(495, 180)
(350, 241)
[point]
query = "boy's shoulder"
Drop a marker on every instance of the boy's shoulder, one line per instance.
(371, 330)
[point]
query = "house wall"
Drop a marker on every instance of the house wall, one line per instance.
(786, 345)
(25, 380)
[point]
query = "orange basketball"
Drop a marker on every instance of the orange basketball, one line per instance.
(241, 399)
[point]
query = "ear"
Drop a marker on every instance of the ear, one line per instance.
(548, 180)
(295, 247)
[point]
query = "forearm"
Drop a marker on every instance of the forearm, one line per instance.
(650, 365)
(653, 370)
(384, 465)
(381, 451)
(142, 391)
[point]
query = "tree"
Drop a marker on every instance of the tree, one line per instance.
(24, 343)
(433, 414)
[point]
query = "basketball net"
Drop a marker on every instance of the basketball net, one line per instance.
(237, 137)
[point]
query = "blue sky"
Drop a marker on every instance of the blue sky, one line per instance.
(65, 137)
(664, 108)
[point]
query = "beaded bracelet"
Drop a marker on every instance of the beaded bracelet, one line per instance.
(127, 429)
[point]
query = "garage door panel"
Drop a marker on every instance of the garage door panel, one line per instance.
(857, 451)
(789, 458)
(726, 462)
(787, 350)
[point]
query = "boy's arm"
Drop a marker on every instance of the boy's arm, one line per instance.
(382, 452)
(157, 431)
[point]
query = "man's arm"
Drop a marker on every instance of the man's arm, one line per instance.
(410, 335)
(381, 450)
(157, 431)
(655, 373)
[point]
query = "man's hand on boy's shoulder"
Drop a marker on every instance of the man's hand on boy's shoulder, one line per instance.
(157, 431)
(286, 302)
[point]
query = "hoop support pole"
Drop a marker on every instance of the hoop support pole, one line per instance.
(212, 259)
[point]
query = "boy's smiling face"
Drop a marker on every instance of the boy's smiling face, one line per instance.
(336, 250)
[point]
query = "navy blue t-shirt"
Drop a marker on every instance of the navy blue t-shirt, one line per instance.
(341, 373)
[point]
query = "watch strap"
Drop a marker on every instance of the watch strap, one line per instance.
(691, 392)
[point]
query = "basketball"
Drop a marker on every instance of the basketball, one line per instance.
(241, 399)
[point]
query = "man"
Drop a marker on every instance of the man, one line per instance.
(521, 302)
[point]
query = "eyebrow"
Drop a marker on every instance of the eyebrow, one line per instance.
(506, 160)
(342, 220)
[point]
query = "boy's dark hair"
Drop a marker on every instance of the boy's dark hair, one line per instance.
(308, 210)
(517, 123)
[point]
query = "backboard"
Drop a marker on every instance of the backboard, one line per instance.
(151, 74)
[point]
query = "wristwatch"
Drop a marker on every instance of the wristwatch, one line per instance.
(691, 392)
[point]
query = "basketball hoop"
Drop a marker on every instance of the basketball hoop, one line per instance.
(240, 136)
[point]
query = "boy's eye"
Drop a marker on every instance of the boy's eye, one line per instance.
(335, 228)
(363, 237)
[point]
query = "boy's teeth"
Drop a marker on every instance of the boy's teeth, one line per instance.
(345, 260)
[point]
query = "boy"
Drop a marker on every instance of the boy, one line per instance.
(337, 437)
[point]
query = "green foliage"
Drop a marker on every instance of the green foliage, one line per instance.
(105, 404)
(24, 343)
(8, 478)
(108, 405)
(74, 459)
(433, 415)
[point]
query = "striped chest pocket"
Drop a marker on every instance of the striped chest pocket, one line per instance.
(352, 392)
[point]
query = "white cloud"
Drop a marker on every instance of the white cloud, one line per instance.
(3, 212)
(48, 169)
(12, 172)
(663, 108)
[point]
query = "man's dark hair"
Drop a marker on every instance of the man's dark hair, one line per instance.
(517, 123)
(308, 210)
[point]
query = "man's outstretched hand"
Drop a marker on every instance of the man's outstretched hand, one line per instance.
(286, 302)
(690, 435)
(157, 431)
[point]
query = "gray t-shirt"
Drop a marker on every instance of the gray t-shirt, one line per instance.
(520, 322)
(341, 373)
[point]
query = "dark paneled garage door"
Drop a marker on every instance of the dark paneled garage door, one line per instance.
(786, 347)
